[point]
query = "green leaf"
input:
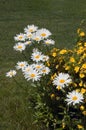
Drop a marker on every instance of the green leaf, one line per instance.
(33, 85)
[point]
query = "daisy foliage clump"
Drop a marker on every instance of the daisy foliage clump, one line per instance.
(59, 76)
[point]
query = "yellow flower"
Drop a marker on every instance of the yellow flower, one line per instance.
(76, 69)
(57, 66)
(79, 126)
(81, 48)
(48, 64)
(63, 125)
(83, 66)
(63, 51)
(75, 85)
(67, 67)
(81, 75)
(85, 44)
(58, 87)
(82, 34)
(78, 30)
(79, 51)
(84, 55)
(82, 108)
(54, 54)
(79, 43)
(53, 76)
(84, 113)
(81, 84)
(55, 49)
(84, 85)
(72, 59)
(52, 95)
(83, 90)
(77, 90)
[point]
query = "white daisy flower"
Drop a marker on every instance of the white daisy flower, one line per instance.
(27, 68)
(74, 97)
(20, 37)
(38, 66)
(31, 28)
(32, 75)
(27, 42)
(49, 42)
(21, 65)
(36, 37)
(11, 73)
(45, 70)
(44, 33)
(62, 80)
(19, 47)
(37, 56)
(29, 35)
(45, 58)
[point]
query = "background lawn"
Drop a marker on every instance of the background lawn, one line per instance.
(62, 18)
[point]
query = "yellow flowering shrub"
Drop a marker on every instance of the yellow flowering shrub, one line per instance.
(72, 62)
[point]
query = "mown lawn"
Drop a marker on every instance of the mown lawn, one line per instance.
(62, 18)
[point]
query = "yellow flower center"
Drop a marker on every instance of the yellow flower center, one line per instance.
(21, 65)
(44, 71)
(11, 73)
(31, 30)
(47, 42)
(62, 81)
(28, 42)
(44, 58)
(29, 35)
(74, 98)
(28, 69)
(43, 34)
(20, 37)
(20, 47)
(37, 56)
(36, 38)
(32, 75)
(38, 66)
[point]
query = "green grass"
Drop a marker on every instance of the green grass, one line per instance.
(62, 18)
